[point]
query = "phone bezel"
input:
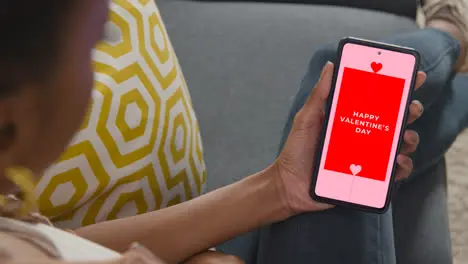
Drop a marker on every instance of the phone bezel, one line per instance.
(318, 155)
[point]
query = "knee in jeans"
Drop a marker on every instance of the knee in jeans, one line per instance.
(324, 54)
(319, 59)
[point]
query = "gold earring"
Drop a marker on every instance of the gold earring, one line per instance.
(23, 178)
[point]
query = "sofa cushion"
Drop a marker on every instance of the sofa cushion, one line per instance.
(243, 63)
(139, 149)
(397, 7)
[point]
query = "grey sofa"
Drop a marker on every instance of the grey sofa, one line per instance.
(243, 63)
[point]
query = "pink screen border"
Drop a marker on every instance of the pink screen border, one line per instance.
(353, 189)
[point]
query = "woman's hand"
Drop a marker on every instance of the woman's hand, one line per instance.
(213, 257)
(294, 166)
(139, 255)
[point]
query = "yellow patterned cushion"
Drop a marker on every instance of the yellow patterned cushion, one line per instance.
(139, 149)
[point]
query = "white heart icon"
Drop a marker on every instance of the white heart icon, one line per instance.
(355, 169)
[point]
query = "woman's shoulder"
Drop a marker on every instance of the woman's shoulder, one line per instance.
(20, 239)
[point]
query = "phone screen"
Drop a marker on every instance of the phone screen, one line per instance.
(365, 122)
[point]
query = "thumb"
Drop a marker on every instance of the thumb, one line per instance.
(311, 113)
(319, 95)
(140, 255)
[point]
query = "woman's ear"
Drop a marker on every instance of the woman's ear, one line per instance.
(7, 139)
(7, 127)
(19, 118)
(7, 134)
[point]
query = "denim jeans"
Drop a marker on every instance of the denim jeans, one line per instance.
(341, 235)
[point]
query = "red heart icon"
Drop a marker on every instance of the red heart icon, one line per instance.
(376, 67)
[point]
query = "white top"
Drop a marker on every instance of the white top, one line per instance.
(70, 247)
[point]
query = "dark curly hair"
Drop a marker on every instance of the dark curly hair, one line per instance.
(31, 33)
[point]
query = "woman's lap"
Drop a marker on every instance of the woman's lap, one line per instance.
(345, 236)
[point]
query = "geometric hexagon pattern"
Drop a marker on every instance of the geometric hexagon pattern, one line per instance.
(139, 148)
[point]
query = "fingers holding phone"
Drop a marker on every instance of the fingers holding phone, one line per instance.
(363, 146)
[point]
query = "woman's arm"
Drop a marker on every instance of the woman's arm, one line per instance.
(178, 232)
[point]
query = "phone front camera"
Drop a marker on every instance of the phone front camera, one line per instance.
(378, 53)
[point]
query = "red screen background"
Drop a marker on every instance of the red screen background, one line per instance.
(371, 93)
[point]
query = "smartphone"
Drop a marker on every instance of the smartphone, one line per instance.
(365, 118)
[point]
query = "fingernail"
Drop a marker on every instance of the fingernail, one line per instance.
(412, 136)
(403, 161)
(142, 250)
(324, 69)
(421, 107)
(135, 245)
